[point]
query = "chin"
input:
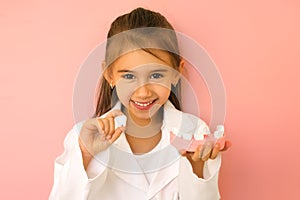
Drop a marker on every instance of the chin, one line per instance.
(144, 115)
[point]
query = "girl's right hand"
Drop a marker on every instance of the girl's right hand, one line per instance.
(97, 134)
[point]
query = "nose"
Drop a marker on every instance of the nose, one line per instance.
(143, 91)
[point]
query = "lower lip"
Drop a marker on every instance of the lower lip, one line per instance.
(143, 107)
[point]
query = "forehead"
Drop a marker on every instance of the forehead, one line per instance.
(138, 58)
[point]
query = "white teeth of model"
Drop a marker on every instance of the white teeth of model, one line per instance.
(143, 104)
(219, 132)
(206, 130)
(175, 131)
(220, 128)
(199, 134)
(187, 136)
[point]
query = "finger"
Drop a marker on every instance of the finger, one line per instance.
(116, 134)
(101, 131)
(196, 155)
(215, 151)
(100, 125)
(105, 126)
(227, 145)
(111, 124)
(206, 152)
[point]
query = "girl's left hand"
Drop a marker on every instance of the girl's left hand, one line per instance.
(212, 154)
(197, 161)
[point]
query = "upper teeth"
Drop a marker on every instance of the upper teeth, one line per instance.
(143, 104)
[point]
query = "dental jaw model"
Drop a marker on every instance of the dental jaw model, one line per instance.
(188, 137)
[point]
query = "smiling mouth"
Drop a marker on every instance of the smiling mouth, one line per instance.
(143, 105)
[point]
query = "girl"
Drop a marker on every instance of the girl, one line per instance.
(130, 148)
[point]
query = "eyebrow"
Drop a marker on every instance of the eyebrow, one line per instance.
(124, 70)
(156, 70)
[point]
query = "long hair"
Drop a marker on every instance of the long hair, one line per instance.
(138, 18)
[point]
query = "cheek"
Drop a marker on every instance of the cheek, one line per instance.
(163, 92)
(125, 90)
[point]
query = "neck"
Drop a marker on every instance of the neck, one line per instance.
(142, 138)
(143, 145)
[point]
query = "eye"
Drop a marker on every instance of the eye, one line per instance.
(156, 76)
(128, 76)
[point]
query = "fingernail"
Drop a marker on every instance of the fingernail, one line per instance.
(108, 137)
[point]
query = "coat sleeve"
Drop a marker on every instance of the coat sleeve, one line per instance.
(71, 181)
(193, 188)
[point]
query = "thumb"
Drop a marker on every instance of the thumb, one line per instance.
(116, 134)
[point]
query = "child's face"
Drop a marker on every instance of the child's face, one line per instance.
(143, 82)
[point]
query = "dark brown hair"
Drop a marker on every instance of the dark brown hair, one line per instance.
(138, 18)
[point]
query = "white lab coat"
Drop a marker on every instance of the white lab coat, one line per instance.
(108, 178)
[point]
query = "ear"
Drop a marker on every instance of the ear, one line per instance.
(106, 72)
(178, 74)
(181, 66)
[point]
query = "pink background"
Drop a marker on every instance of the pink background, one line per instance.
(255, 45)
